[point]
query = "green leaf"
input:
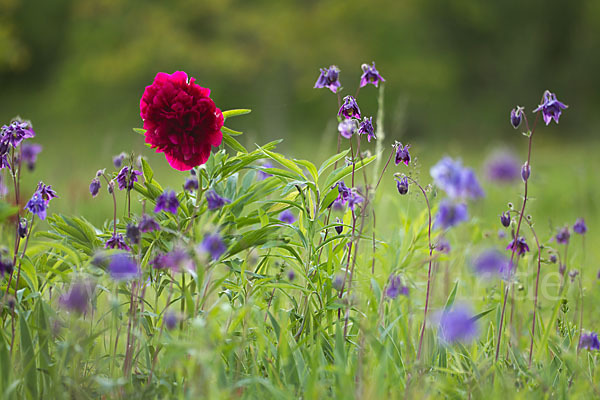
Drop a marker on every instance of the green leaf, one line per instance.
(283, 161)
(332, 160)
(6, 211)
(234, 144)
(451, 298)
(342, 172)
(235, 113)
(230, 131)
(28, 359)
(310, 167)
(140, 131)
(148, 173)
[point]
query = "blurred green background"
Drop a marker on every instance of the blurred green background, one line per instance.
(454, 70)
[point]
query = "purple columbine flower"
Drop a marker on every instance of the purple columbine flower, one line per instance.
(148, 224)
(191, 184)
(287, 217)
(213, 244)
(563, 235)
(505, 219)
(344, 192)
(23, 228)
(516, 115)
(95, 187)
(291, 275)
(350, 108)
(29, 152)
(402, 185)
(178, 259)
(553, 258)
(127, 177)
(133, 233)
(6, 266)
(37, 205)
(580, 227)
(167, 202)
(16, 132)
(471, 187)
(215, 201)
(262, 175)
(329, 78)
(491, 263)
(525, 171)
(170, 320)
(589, 341)
(338, 282)
(573, 274)
(340, 227)
(519, 245)
(395, 287)
(450, 214)
(366, 128)
(46, 191)
(118, 159)
(370, 75)
(123, 268)
(502, 167)
(443, 246)
(551, 108)
(402, 154)
(158, 262)
(354, 200)
(78, 297)
(455, 180)
(116, 241)
(457, 325)
(347, 128)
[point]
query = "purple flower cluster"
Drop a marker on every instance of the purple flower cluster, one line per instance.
(589, 341)
(346, 196)
(15, 133)
(456, 180)
(213, 244)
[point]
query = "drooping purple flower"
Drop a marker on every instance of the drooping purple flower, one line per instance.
(402, 185)
(551, 108)
(178, 259)
(167, 202)
(37, 205)
(16, 132)
(116, 241)
(366, 128)
(490, 263)
(518, 245)
(6, 266)
(344, 191)
(395, 287)
(287, 217)
(443, 246)
(291, 275)
(516, 115)
(340, 227)
(471, 187)
(370, 75)
(455, 180)
(262, 175)
(29, 152)
(95, 187)
(23, 228)
(338, 282)
(133, 233)
(118, 159)
(329, 78)
(4, 158)
(457, 325)
(214, 245)
(46, 191)
(354, 200)
(525, 171)
(191, 184)
(563, 235)
(158, 262)
(215, 201)
(350, 108)
(580, 227)
(502, 167)
(148, 224)
(553, 258)
(450, 214)
(573, 274)
(170, 320)
(123, 268)
(589, 341)
(402, 154)
(505, 219)
(77, 299)
(347, 128)
(127, 177)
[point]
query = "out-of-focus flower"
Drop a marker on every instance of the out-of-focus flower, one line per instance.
(490, 263)
(262, 174)
(370, 75)
(502, 167)
(118, 160)
(215, 201)
(148, 224)
(178, 259)
(291, 275)
(443, 246)
(29, 152)
(516, 115)
(350, 108)
(170, 320)
(329, 78)
(133, 233)
(123, 268)
(518, 245)
(338, 282)
(457, 325)
(127, 177)
(455, 180)
(116, 241)
(573, 274)
(78, 297)
(167, 202)
(95, 187)
(563, 235)
(580, 227)
(551, 108)
(347, 128)
(505, 219)
(366, 128)
(553, 258)
(395, 287)
(354, 200)
(181, 120)
(191, 184)
(450, 214)
(402, 154)
(589, 341)
(214, 245)
(287, 217)
(6, 266)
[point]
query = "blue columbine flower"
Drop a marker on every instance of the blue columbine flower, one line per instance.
(551, 108)
(450, 214)
(515, 116)
(402, 154)
(580, 227)
(457, 325)
(148, 224)
(589, 341)
(37, 205)
(455, 180)
(350, 108)
(78, 297)
(29, 152)
(370, 75)
(16, 132)
(329, 78)
(491, 263)
(116, 241)
(395, 287)
(127, 177)
(366, 128)
(347, 128)
(167, 202)
(191, 184)
(563, 235)
(95, 187)
(215, 201)
(518, 245)
(287, 217)
(213, 244)
(262, 175)
(502, 167)
(123, 268)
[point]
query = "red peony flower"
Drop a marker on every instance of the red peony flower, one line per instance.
(180, 120)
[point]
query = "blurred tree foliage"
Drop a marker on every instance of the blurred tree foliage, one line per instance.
(452, 67)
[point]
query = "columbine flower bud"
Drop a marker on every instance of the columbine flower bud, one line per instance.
(94, 187)
(23, 228)
(505, 219)
(525, 172)
(402, 185)
(516, 116)
(553, 258)
(339, 228)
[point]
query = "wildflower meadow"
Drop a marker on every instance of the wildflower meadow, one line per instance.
(258, 275)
